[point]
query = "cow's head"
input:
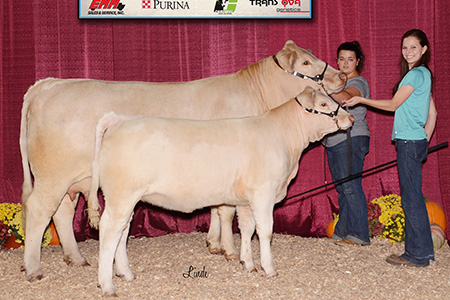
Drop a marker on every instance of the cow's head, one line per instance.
(330, 116)
(304, 65)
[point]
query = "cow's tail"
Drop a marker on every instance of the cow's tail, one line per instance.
(93, 203)
(27, 186)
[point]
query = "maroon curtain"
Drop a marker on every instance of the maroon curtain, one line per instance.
(46, 39)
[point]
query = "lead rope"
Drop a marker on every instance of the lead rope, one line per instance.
(325, 165)
(349, 153)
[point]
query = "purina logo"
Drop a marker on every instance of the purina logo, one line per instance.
(165, 5)
(225, 7)
(106, 7)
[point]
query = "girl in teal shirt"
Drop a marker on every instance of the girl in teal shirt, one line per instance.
(414, 122)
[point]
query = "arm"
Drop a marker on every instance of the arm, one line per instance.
(431, 121)
(390, 105)
(346, 94)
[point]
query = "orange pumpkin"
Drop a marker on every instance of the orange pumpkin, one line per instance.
(436, 214)
(11, 243)
(55, 237)
(330, 229)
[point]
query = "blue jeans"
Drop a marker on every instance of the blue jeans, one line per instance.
(418, 241)
(353, 224)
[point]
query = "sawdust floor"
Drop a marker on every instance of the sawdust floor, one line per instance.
(308, 268)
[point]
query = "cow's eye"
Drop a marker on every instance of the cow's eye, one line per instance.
(323, 104)
(306, 62)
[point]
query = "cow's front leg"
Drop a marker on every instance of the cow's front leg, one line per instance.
(213, 237)
(226, 216)
(263, 214)
(123, 269)
(63, 219)
(247, 228)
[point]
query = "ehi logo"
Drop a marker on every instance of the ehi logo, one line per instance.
(106, 7)
(225, 7)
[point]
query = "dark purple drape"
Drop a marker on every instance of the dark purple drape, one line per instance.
(45, 38)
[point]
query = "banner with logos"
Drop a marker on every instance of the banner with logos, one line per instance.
(234, 9)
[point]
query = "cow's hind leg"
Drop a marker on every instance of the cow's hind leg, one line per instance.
(247, 228)
(226, 215)
(37, 215)
(63, 220)
(220, 234)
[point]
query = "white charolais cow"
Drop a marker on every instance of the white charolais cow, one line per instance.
(245, 162)
(58, 125)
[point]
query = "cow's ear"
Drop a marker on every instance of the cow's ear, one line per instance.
(291, 59)
(309, 50)
(290, 45)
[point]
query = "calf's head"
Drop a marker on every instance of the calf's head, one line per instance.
(330, 116)
(302, 63)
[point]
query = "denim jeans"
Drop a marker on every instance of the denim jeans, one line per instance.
(353, 224)
(418, 241)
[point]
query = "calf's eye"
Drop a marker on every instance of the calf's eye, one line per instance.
(306, 62)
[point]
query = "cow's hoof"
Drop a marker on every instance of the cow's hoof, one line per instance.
(109, 295)
(216, 251)
(73, 263)
(250, 268)
(127, 277)
(272, 275)
(35, 277)
(232, 257)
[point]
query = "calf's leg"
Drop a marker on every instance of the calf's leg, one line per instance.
(123, 269)
(263, 214)
(213, 237)
(113, 225)
(247, 228)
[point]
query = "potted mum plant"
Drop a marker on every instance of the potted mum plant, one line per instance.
(387, 220)
(12, 234)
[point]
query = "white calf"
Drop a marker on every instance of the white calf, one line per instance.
(245, 162)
